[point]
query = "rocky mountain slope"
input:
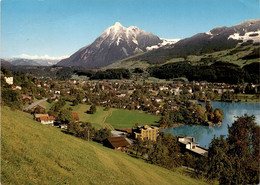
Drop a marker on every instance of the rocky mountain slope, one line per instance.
(117, 42)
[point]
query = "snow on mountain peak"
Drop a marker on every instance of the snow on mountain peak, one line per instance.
(117, 24)
(164, 43)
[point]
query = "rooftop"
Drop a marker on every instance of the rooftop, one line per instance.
(117, 141)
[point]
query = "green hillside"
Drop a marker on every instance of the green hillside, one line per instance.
(36, 154)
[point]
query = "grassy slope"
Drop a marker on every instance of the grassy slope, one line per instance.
(36, 154)
(224, 55)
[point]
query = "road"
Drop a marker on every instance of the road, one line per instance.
(34, 104)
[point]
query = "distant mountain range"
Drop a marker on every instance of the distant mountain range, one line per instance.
(27, 62)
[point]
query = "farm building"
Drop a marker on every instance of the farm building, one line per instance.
(117, 143)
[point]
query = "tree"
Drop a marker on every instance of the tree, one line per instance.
(235, 160)
(199, 114)
(65, 116)
(75, 102)
(218, 115)
(101, 134)
(165, 152)
(12, 98)
(92, 109)
(58, 105)
(217, 157)
(165, 121)
(209, 108)
(243, 143)
(6, 71)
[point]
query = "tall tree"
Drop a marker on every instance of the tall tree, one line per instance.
(236, 159)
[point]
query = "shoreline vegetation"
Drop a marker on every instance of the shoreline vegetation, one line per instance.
(194, 114)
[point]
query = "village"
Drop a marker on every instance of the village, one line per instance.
(150, 97)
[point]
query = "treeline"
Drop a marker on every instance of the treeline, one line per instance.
(86, 131)
(107, 74)
(195, 115)
(217, 72)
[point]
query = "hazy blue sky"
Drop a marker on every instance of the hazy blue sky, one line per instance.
(60, 27)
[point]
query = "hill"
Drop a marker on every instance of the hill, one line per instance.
(217, 39)
(36, 154)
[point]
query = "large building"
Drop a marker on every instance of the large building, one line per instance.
(146, 133)
(188, 144)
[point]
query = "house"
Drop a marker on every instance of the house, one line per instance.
(56, 92)
(37, 116)
(63, 126)
(162, 88)
(188, 144)
(40, 108)
(44, 119)
(9, 80)
(47, 120)
(75, 116)
(175, 91)
(145, 132)
(117, 143)
(14, 87)
(27, 99)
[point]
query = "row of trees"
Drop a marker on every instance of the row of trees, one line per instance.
(86, 131)
(217, 72)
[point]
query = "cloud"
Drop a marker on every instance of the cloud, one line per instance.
(44, 57)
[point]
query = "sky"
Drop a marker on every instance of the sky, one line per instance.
(54, 29)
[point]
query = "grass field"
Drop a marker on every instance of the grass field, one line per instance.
(32, 153)
(113, 118)
(127, 119)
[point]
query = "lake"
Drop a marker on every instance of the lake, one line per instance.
(204, 134)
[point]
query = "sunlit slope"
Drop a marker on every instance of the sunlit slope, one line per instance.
(36, 154)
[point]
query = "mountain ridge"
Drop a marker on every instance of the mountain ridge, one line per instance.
(217, 39)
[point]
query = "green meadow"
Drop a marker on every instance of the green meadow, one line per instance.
(32, 153)
(128, 119)
(113, 118)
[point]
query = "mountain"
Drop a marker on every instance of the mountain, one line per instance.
(24, 62)
(116, 43)
(34, 62)
(46, 62)
(217, 39)
(6, 63)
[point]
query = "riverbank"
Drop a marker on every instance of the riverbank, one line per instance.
(204, 134)
(244, 98)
